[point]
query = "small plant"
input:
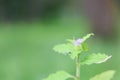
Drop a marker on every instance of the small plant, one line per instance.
(76, 48)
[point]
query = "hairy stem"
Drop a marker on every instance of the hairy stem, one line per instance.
(77, 68)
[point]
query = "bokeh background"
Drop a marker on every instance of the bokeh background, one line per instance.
(30, 28)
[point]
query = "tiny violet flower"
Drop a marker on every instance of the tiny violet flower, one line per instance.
(78, 42)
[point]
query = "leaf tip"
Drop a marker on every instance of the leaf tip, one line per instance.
(107, 58)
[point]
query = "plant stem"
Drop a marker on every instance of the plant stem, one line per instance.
(77, 68)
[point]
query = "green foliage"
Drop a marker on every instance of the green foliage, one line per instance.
(85, 47)
(71, 49)
(75, 48)
(95, 58)
(87, 36)
(60, 75)
(64, 48)
(74, 54)
(108, 75)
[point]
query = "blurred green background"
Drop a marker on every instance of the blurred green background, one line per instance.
(30, 28)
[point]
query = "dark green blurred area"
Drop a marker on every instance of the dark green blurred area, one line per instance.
(29, 9)
(30, 29)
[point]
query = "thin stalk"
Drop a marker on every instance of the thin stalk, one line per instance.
(77, 68)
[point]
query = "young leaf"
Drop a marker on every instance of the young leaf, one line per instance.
(87, 36)
(85, 47)
(95, 58)
(71, 40)
(60, 75)
(64, 48)
(68, 48)
(108, 75)
(74, 54)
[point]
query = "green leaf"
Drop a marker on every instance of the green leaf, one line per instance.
(108, 75)
(60, 75)
(71, 40)
(85, 47)
(95, 58)
(68, 48)
(87, 36)
(74, 54)
(64, 48)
